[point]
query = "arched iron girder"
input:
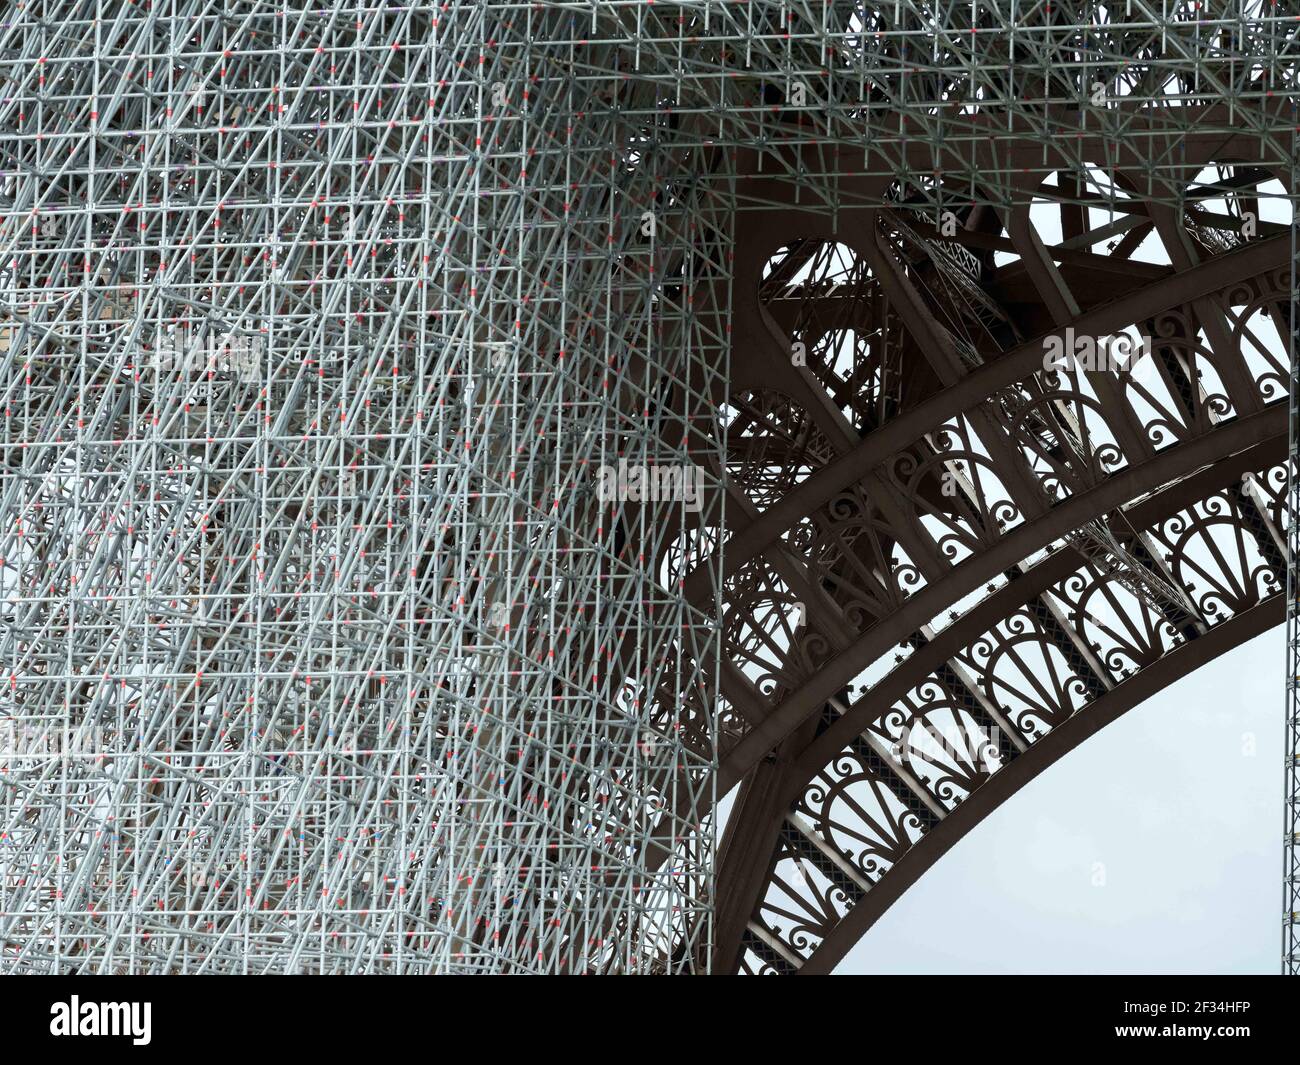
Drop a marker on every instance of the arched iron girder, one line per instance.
(1174, 666)
(1206, 278)
(789, 737)
(1130, 484)
(826, 745)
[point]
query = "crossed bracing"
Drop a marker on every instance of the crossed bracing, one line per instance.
(1041, 549)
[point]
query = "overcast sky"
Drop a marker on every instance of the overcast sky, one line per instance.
(1187, 826)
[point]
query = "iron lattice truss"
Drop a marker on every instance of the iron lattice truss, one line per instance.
(324, 653)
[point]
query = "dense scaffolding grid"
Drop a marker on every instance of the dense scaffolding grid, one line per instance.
(324, 651)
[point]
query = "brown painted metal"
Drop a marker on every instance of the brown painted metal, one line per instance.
(1058, 743)
(1104, 511)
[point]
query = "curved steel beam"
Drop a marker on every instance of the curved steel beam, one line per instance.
(1059, 474)
(1171, 667)
(1120, 488)
(1015, 594)
(822, 486)
(836, 476)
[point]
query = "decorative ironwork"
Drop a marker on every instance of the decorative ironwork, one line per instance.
(1013, 552)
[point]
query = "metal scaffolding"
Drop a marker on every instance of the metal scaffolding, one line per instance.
(322, 653)
(383, 509)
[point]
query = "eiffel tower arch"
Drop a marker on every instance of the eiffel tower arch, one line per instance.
(949, 564)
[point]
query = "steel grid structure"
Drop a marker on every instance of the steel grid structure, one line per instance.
(325, 651)
(322, 652)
